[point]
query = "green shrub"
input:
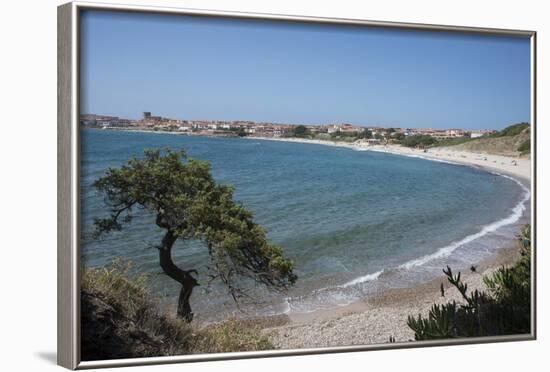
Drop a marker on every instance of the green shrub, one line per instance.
(511, 130)
(525, 147)
(452, 141)
(503, 309)
(418, 140)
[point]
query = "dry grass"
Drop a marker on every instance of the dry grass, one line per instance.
(231, 335)
(506, 145)
(122, 319)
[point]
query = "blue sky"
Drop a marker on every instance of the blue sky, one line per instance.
(208, 68)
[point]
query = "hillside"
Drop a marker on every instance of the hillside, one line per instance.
(120, 318)
(506, 142)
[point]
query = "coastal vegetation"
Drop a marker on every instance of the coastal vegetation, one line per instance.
(300, 131)
(452, 141)
(507, 135)
(511, 130)
(121, 318)
(186, 203)
(418, 141)
(525, 147)
(503, 309)
(513, 140)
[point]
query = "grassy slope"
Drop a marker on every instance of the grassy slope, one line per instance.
(497, 145)
(122, 319)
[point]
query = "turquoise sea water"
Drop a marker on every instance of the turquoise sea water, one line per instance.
(355, 222)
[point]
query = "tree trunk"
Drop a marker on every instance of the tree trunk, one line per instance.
(181, 276)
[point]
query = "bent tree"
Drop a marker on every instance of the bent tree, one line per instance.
(186, 203)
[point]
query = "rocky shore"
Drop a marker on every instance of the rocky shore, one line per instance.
(375, 320)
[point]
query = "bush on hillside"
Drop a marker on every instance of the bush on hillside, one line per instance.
(503, 309)
(418, 141)
(452, 141)
(525, 147)
(511, 130)
(120, 318)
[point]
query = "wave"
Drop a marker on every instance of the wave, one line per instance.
(513, 217)
(362, 279)
(516, 214)
(350, 297)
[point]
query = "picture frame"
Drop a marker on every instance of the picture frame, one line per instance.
(69, 173)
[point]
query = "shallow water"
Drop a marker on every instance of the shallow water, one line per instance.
(355, 222)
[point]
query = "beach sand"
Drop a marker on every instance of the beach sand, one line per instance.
(374, 320)
(514, 166)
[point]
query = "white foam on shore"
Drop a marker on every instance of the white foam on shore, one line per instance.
(362, 279)
(516, 214)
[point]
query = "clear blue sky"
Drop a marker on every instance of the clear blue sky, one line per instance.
(207, 68)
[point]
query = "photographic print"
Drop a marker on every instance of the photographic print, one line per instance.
(250, 185)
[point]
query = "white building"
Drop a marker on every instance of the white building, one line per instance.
(333, 128)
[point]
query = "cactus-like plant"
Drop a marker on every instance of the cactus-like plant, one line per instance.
(503, 309)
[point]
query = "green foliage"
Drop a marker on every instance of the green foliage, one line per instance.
(511, 130)
(185, 200)
(525, 147)
(452, 141)
(418, 140)
(398, 136)
(300, 131)
(241, 132)
(504, 309)
(365, 134)
(348, 136)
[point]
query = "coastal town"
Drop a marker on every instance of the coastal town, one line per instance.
(235, 128)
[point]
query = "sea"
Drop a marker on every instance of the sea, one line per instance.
(355, 223)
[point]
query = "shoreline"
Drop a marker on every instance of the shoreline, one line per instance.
(493, 163)
(373, 320)
(512, 166)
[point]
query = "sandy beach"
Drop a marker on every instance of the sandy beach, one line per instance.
(374, 320)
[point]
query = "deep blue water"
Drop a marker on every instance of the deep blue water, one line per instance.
(355, 222)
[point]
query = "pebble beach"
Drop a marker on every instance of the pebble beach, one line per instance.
(375, 320)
